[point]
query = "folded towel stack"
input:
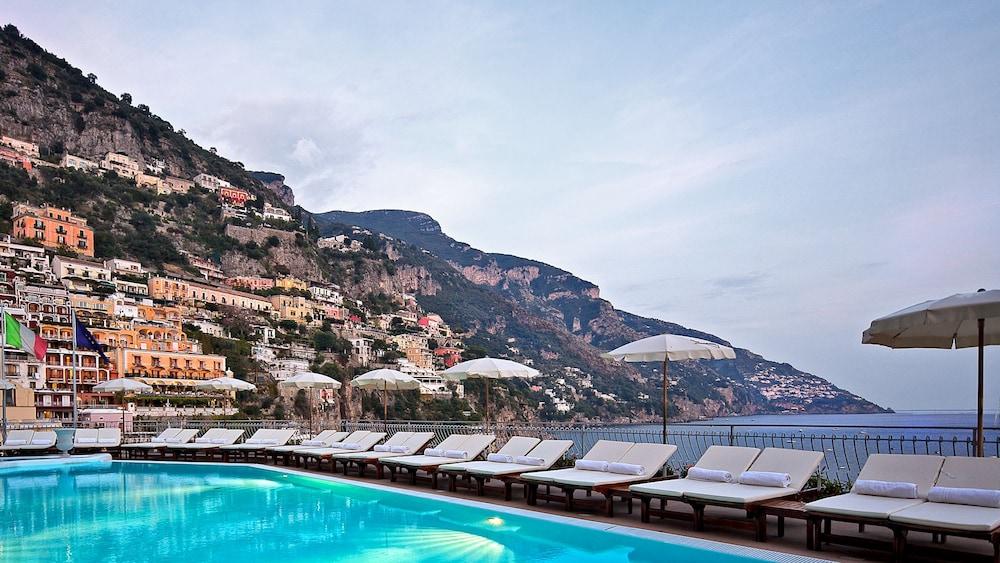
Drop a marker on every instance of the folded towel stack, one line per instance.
(626, 468)
(528, 460)
(456, 454)
(500, 458)
(382, 448)
(989, 498)
(400, 449)
(893, 489)
(766, 479)
(715, 475)
(312, 443)
(434, 452)
(591, 465)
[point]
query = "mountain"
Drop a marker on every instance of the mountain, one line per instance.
(560, 320)
(501, 304)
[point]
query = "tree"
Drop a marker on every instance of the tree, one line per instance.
(92, 78)
(126, 98)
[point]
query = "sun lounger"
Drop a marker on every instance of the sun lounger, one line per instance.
(352, 438)
(950, 518)
(261, 439)
(321, 440)
(542, 456)
(363, 444)
(633, 463)
(453, 449)
(733, 460)
(798, 465)
(864, 509)
(29, 441)
(165, 438)
(412, 444)
(212, 439)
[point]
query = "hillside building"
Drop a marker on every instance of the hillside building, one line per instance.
(53, 227)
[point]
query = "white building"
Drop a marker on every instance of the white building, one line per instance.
(276, 213)
(210, 182)
(78, 162)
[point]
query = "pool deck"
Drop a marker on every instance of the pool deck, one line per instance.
(793, 542)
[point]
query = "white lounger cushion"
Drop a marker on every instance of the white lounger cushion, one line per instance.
(799, 464)
(865, 506)
(949, 516)
(602, 450)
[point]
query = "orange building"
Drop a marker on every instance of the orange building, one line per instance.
(53, 227)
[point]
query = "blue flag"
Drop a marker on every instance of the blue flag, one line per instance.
(84, 339)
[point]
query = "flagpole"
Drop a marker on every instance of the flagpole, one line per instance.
(73, 315)
(3, 368)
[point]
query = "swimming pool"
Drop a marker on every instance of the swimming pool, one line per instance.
(156, 512)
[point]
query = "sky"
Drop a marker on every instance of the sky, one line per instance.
(776, 173)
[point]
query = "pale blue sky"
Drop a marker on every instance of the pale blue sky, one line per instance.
(775, 173)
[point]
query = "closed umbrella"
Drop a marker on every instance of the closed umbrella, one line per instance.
(124, 386)
(309, 380)
(667, 348)
(964, 320)
(486, 369)
(386, 380)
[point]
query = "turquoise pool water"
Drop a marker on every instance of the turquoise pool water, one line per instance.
(238, 514)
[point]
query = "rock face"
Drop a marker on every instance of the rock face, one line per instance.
(539, 311)
(276, 183)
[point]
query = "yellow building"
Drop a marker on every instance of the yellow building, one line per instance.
(291, 283)
(292, 308)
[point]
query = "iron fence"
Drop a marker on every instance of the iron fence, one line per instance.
(846, 448)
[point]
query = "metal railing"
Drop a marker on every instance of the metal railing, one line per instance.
(846, 448)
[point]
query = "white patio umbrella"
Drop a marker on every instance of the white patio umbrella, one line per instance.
(964, 320)
(124, 386)
(227, 383)
(486, 369)
(667, 348)
(310, 380)
(385, 380)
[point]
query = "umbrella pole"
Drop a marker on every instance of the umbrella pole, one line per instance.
(979, 419)
(665, 389)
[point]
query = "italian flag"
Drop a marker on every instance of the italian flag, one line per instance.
(17, 335)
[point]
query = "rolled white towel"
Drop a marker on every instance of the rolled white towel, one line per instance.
(528, 460)
(456, 454)
(382, 448)
(766, 479)
(434, 452)
(350, 446)
(893, 489)
(500, 458)
(313, 443)
(715, 475)
(626, 468)
(591, 465)
(16, 443)
(400, 449)
(989, 498)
